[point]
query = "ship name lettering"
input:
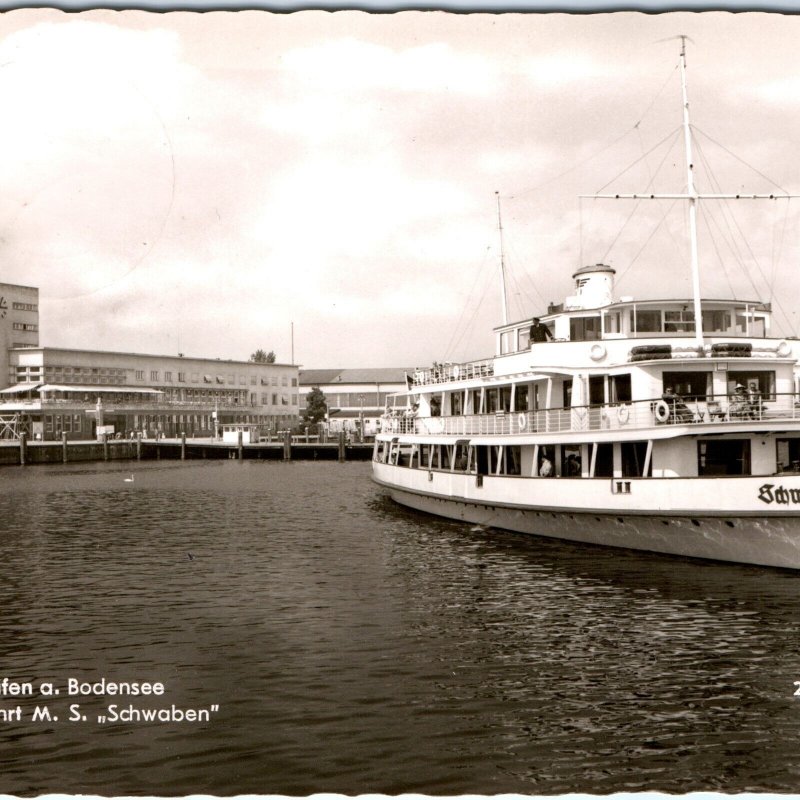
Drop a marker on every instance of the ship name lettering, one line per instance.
(768, 493)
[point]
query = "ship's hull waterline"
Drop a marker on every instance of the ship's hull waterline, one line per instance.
(746, 536)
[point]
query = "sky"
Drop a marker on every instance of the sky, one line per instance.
(207, 183)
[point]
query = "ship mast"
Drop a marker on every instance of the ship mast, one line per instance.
(692, 197)
(503, 297)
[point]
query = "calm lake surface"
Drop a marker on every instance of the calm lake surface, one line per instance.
(353, 646)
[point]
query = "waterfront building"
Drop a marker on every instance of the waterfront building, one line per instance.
(356, 398)
(49, 391)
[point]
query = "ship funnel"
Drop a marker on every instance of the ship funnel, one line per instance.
(594, 287)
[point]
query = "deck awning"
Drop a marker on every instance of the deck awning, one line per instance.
(20, 388)
(67, 387)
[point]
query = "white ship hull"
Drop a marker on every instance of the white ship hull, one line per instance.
(673, 516)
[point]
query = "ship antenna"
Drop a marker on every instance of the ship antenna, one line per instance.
(502, 262)
(692, 198)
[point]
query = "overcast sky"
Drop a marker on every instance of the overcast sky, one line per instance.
(197, 182)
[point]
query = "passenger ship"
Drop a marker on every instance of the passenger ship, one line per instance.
(630, 426)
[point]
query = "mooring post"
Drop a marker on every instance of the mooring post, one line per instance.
(240, 446)
(342, 449)
(105, 447)
(183, 446)
(287, 446)
(138, 446)
(23, 449)
(64, 456)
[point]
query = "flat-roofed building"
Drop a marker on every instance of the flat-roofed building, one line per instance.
(354, 396)
(50, 391)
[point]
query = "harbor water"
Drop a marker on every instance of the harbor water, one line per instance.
(338, 642)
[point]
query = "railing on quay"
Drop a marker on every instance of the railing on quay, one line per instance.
(641, 414)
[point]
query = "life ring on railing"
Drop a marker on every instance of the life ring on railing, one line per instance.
(597, 353)
(661, 411)
(522, 421)
(784, 349)
(624, 414)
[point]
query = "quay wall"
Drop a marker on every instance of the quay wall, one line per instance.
(16, 453)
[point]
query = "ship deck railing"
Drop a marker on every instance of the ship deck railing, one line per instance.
(449, 371)
(623, 416)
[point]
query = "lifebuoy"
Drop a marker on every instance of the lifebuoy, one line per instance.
(455, 372)
(662, 411)
(784, 349)
(522, 421)
(624, 413)
(598, 352)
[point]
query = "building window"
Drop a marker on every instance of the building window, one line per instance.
(139, 374)
(153, 374)
(253, 380)
(274, 380)
(294, 381)
(167, 375)
(24, 306)
(231, 379)
(274, 399)
(25, 326)
(284, 381)
(182, 377)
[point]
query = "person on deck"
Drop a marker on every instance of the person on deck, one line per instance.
(539, 332)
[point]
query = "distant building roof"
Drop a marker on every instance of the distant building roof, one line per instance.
(325, 377)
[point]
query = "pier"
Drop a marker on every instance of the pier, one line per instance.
(24, 452)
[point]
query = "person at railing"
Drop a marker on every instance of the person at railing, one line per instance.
(573, 466)
(678, 410)
(740, 404)
(545, 468)
(539, 332)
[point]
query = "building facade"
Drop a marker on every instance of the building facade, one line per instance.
(48, 392)
(356, 398)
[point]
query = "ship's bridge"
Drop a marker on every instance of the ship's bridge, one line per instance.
(591, 314)
(643, 319)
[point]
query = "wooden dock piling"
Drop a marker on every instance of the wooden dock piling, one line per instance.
(23, 449)
(342, 449)
(64, 449)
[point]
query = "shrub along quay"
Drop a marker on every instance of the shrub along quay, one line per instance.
(24, 452)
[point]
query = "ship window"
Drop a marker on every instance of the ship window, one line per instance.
(584, 329)
(521, 398)
(633, 456)
(492, 399)
(619, 388)
(597, 390)
(716, 321)
(756, 382)
(679, 321)
(508, 342)
(689, 385)
(513, 460)
(645, 321)
(723, 457)
(612, 322)
(788, 455)
(571, 461)
(456, 402)
(524, 335)
(604, 460)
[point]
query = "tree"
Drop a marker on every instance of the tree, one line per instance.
(262, 357)
(316, 407)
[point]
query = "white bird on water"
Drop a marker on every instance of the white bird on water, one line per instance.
(128, 480)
